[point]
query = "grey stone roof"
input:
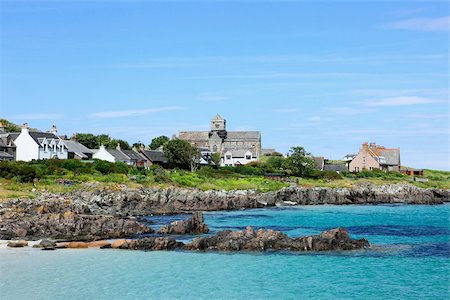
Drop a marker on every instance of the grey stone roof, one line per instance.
(77, 148)
(40, 135)
(391, 156)
(265, 151)
(155, 156)
(134, 156)
(194, 135)
(6, 155)
(118, 155)
(243, 135)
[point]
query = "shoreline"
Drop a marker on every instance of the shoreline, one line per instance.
(117, 214)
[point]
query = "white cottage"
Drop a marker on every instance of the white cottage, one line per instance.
(39, 145)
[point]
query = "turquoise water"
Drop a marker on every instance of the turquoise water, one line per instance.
(410, 260)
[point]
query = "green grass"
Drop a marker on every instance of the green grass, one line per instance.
(204, 179)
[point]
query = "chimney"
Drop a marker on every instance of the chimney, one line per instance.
(54, 130)
(118, 146)
(25, 127)
(2, 128)
(365, 145)
(141, 147)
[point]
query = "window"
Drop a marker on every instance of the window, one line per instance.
(228, 157)
(214, 148)
(217, 125)
(364, 159)
(248, 156)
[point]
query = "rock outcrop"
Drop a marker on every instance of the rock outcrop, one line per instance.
(105, 214)
(194, 225)
(68, 226)
(17, 244)
(251, 240)
(270, 240)
(174, 200)
(150, 244)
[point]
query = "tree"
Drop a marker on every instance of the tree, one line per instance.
(158, 142)
(276, 163)
(138, 145)
(88, 139)
(299, 162)
(105, 140)
(216, 159)
(181, 154)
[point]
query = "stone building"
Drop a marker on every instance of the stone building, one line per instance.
(235, 147)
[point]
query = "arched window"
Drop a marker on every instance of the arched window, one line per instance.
(215, 148)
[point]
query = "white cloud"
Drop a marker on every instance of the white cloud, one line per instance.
(422, 24)
(398, 101)
(38, 116)
(133, 113)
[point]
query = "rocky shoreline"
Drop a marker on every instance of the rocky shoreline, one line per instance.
(176, 200)
(111, 214)
(248, 239)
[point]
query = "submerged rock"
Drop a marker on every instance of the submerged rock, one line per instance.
(17, 244)
(46, 244)
(194, 225)
(153, 243)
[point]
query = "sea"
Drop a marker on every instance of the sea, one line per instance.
(409, 259)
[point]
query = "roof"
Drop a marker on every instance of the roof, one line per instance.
(155, 156)
(239, 151)
(134, 155)
(243, 135)
(391, 156)
(194, 135)
(118, 155)
(41, 135)
(265, 151)
(218, 118)
(4, 154)
(336, 168)
(76, 147)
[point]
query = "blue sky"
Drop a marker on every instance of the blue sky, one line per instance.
(325, 75)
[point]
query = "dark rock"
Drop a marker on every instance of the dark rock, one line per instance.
(194, 225)
(270, 240)
(153, 244)
(71, 226)
(46, 244)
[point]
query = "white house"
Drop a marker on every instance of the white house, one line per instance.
(238, 158)
(129, 157)
(39, 145)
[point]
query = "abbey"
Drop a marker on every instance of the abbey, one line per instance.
(235, 147)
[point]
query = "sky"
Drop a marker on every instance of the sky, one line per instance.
(325, 75)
